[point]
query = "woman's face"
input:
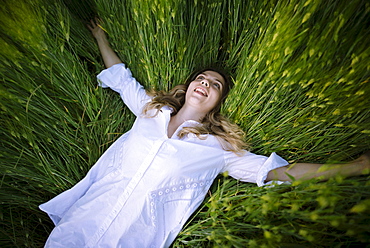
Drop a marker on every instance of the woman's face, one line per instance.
(205, 91)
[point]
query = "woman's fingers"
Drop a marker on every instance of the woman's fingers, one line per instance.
(95, 28)
(97, 20)
(92, 25)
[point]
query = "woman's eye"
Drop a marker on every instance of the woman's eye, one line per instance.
(200, 77)
(217, 85)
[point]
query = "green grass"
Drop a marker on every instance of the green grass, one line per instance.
(301, 71)
(303, 215)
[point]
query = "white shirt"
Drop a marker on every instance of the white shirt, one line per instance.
(145, 186)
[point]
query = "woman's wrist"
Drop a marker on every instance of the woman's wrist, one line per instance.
(101, 39)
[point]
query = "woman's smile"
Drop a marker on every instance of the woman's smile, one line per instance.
(201, 91)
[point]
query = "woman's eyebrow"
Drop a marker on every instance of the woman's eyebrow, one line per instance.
(218, 81)
(213, 78)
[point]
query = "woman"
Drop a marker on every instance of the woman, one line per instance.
(147, 184)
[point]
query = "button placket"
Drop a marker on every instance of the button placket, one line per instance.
(122, 199)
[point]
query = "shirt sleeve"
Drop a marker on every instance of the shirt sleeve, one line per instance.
(120, 79)
(251, 167)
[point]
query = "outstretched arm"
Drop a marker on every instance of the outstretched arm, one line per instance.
(306, 171)
(109, 56)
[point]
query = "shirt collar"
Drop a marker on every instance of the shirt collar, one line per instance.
(190, 123)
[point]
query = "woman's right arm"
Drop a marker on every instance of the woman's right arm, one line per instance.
(109, 56)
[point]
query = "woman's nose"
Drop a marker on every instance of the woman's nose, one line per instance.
(205, 83)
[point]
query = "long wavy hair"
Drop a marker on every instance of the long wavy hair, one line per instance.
(229, 134)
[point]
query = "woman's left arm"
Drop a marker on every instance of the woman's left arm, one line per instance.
(109, 56)
(304, 171)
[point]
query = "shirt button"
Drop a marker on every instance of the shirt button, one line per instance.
(195, 185)
(167, 190)
(173, 189)
(187, 186)
(160, 193)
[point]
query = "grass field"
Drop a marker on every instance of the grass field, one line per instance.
(301, 72)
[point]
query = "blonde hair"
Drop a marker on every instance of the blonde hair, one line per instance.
(230, 135)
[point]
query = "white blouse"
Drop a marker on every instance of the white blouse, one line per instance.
(145, 186)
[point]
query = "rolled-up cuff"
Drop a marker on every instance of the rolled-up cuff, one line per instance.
(273, 162)
(112, 77)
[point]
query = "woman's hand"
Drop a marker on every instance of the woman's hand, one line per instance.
(109, 56)
(96, 29)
